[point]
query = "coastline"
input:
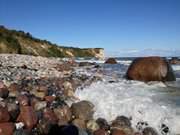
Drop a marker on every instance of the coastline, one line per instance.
(47, 87)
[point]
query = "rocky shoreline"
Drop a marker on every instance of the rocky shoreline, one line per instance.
(37, 98)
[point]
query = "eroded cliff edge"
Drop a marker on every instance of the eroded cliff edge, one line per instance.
(20, 42)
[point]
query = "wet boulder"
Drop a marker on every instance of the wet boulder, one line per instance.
(100, 132)
(118, 132)
(23, 100)
(150, 69)
(44, 127)
(3, 90)
(49, 115)
(40, 92)
(121, 121)
(47, 121)
(63, 113)
(27, 116)
(13, 110)
(68, 89)
(14, 90)
(39, 105)
(83, 110)
(4, 115)
(103, 124)
(123, 124)
(7, 128)
(49, 99)
(149, 131)
(92, 126)
(111, 61)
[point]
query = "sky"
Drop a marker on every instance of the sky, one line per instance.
(115, 25)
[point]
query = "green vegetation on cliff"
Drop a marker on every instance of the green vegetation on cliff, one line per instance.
(19, 42)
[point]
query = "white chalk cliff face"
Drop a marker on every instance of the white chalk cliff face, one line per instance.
(98, 53)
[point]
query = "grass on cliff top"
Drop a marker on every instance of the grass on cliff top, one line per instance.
(9, 43)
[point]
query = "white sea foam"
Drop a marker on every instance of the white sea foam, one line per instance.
(91, 60)
(176, 67)
(133, 99)
(124, 62)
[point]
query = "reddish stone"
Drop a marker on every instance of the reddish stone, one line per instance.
(150, 69)
(137, 133)
(49, 98)
(14, 87)
(100, 132)
(7, 128)
(4, 115)
(118, 132)
(27, 116)
(23, 100)
(49, 115)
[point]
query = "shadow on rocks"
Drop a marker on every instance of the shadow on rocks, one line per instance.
(63, 130)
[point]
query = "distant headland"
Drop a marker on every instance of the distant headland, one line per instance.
(20, 42)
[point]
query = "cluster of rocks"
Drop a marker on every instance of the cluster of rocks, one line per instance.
(14, 67)
(35, 92)
(38, 112)
(36, 95)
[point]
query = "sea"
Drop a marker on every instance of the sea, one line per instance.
(153, 104)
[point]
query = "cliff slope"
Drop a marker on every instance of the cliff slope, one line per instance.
(19, 42)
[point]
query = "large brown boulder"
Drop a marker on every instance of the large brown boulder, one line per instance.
(111, 61)
(150, 69)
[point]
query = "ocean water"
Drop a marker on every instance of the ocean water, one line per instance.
(155, 103)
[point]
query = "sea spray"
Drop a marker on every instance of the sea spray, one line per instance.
(143, 102)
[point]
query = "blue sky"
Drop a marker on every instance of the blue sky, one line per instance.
(116, 25)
